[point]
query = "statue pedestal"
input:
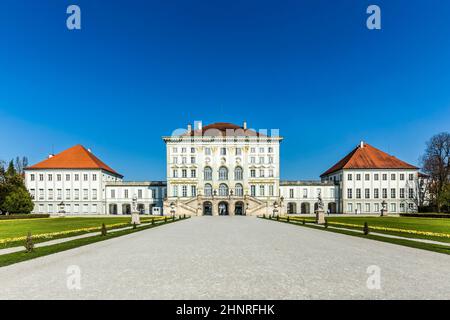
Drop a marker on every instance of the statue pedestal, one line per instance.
(135, 218)
(320, 217)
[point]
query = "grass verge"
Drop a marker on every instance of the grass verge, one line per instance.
(404, 242)
(11, 258)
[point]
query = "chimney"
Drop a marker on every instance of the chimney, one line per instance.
(50, 155)
(245, 125)
(198, 125)
(189, 128)
(361, 144)
(89, 149)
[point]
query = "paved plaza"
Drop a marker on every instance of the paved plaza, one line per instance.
(231, 258)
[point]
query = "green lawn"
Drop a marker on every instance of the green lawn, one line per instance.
(11, 258)
(19, 228)
(437, 225)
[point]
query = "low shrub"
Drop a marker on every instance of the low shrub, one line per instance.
(425, 215)
(29, 245)
(366, 229)
(23, 216)
(104, 231)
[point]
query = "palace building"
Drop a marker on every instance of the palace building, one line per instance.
(224, 169)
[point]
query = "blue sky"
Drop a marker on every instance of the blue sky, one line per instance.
(139, 69)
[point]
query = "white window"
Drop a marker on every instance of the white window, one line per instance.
(77, 177)
(252, 173)
(270, 150)
(193, 173)
(192, 159)
(238, 151)
(113, 193)
(207, 172)
(223, 173)
(291, 193)
(208, 190)
(184, 190)
(94, 177)
(192, 150)
(239, 190)
(402, 193)
(349, 193)
(175, 191)
(331, 193)
(193, 191)
(271, 194)
(376, 176)
(271, 173)
(50, 194)
(32, 193)
(174, 149)
(32, 177)
(139, 194)
(367, 193)
(223, 190)
(50, 208)
(126, 193)
(305, 193)
(183, 150)
(393, 207)
(349, 177)
(183, 160)
(223, 151)
(350, 207)
(41, 194)
(59, 194)
(367, 207)
(94, 194)
(261, 150)
(85, 177)
(41, 208)
(252, 150)
(358, 193)
(175, 173)
(402, 207)
(367, 177)
(49, 177)
(41, 177)
(411, 176)
(252, 160)
(376, 207)
(392, 176)
(208, 151)
(376, 193)
(85, 194)
(184, 173)
(384, 193)
(261, 173)
(67, 177)
(76, 208)
(85, 208)
(262, 190)
(94, 208)
(238, 173)
(358, 176)
(393, 193)
(261, 160)
(402, 176)
(174, 160)
(253, 190)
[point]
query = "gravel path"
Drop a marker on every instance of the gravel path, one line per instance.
(232, 258)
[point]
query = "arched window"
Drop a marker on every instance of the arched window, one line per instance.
(238, 173)
(238, 190)
(223, 173)
(223, 190)
(208, 190)
(208, 173)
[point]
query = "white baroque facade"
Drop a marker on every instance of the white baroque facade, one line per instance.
(225, 169)
(222, 169)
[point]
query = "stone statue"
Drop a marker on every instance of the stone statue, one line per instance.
(320, 215)
(319, 201)
(134, 211)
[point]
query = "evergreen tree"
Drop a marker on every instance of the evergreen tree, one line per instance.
(18, 201)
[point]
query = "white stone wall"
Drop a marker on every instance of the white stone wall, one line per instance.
(301, 197)
(370, 187)
(259, 155)
(149, 195)
(81, 190)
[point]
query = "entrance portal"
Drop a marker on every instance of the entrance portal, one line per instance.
(239, 209)
(223, 208)
(207, 208)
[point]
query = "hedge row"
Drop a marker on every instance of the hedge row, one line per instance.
(425, 215)
(23, 216)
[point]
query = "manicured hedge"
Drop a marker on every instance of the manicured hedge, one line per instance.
(426, 215)
(23, 216)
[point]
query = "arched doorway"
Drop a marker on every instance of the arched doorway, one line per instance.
(291, 208)
(223, 208)
(113, 209)
(239, 208)
(207, 208)
(305, 208)
(126, 208)
(332, 207)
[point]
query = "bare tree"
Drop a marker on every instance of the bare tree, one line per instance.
(436, 164)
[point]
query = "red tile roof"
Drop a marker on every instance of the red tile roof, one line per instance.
(367, 157)
(77, 157)
(224, 129)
